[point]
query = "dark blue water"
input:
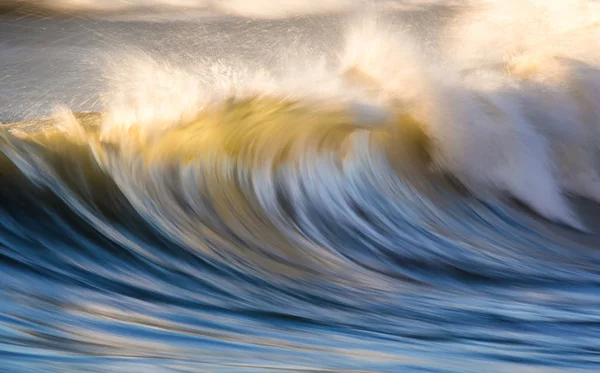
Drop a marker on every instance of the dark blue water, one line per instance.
(341, 264)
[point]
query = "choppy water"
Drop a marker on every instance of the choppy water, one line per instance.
(334, 192)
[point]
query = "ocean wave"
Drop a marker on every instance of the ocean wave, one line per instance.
(321, 206)
(522, 122)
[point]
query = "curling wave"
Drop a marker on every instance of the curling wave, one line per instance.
(356, 211)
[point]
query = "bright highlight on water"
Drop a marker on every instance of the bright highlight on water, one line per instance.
(342, 187)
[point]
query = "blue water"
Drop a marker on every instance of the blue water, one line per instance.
(347, 265)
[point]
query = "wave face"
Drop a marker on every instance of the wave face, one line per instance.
(383, 192)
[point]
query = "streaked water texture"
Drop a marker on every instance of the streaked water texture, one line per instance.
(341, 187)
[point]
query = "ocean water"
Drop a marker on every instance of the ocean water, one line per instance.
(332, 186)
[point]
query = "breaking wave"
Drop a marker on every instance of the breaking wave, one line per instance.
(344, 197)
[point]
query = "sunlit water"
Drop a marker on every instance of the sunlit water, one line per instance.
(348, 187)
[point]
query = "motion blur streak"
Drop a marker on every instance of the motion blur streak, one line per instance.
(332, 186)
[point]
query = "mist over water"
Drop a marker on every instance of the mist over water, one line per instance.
(344, 186)
(261, 9)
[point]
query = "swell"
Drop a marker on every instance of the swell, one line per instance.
(340, 169)
(301, 194)
(325, 213)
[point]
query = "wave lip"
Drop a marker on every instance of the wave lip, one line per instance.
(521, 122)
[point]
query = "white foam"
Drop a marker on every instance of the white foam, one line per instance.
(511, 102)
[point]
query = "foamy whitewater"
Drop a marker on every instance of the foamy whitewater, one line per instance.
(345, 186)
